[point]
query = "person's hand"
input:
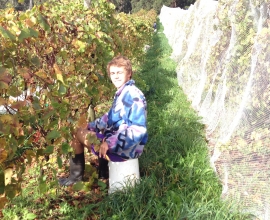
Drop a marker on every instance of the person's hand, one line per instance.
(103, 149)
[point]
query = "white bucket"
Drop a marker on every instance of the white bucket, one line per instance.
(122, 174)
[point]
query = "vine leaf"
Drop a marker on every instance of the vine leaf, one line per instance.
(59, 162)
(30, 216)
(62, 89)
(24, 72)
(102, 185)
(19, 104)
(6, 119)
(7, 34)
(42, 62)
(25, 33)
(58, 73)
(3, 201)
(52, 135)
(2, 184)
(5, 77)
(11, 190)
(65, 148)
(3, 152)
(2, 101)
(41, 74)
(78, 186)
(82, 120)
(49, 150)
(43, 23)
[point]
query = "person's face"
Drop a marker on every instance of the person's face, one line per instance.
(119, 76)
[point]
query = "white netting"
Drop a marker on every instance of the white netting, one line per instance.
(223, 53)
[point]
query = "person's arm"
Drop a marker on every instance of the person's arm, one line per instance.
(99, 124)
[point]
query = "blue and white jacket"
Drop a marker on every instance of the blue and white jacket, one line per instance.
(125, 125)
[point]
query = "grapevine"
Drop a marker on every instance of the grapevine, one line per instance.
(53, 67)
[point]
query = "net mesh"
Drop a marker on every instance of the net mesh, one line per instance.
(223, 53)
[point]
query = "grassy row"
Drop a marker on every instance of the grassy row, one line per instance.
(177, 181)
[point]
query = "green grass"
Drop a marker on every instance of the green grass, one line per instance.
(177, 181)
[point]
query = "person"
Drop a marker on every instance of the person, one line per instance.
(123, 128)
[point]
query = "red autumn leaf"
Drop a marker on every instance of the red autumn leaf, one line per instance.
(5, 77)
(24, 72)
(18, 104)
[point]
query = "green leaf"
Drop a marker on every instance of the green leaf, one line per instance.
(36, 104)
(55, 105)
(62, 89)
(78, 186)
(39, 152)
(10, 190)
(49, 150)
(43, 23)
(102, 185)
(42, 187)
(52, 135)
(59, 162)
(30, 216)
(7, 34)
(48, 115)
(33, 33)
(24, 34)
(14, 91)
(66, 148)
(35, 61)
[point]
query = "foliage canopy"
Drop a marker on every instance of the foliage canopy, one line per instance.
(52, 68)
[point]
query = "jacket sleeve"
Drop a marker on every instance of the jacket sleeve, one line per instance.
(131, 132)
(99, 124)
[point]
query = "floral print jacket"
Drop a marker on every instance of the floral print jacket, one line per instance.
(125, 125)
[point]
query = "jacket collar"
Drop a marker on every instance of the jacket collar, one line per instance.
(128, 83)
